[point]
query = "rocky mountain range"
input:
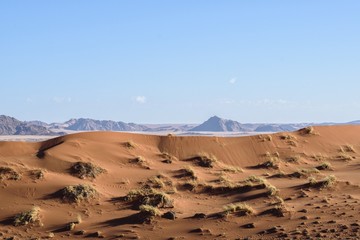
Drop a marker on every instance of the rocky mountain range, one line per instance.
(13, 126)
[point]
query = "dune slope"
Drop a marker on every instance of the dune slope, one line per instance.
(302, 184)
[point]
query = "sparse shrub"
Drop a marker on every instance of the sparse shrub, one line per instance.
(293, 159)
(304, 172)
(27, 217)
(318, 157)
(223, 179)
(240, 209)
(85, 170)
(232, 169)
(255, 179)
(7, 173)
(287, 137)
(327, 182)
(78, 193)
(156, 182)
(205, 160)
(140, 160)
(324, 166)
(129, 144)
(307, 131)
(190, 185)
(149, 196)
(278, 211)
(347, 149)
(168, 156)
(277, 200)
(272, 163)
(279, 174)
(149, 212)
(292, 143)
(267, 138)
(344, 157)
(187, 172)
(37, 174)
(271, 190)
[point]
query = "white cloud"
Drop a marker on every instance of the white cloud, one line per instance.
(29, 100)
(232, 81)
(140, 99)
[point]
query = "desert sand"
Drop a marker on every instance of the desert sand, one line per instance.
(295, 185)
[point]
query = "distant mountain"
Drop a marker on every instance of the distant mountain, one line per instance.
(13, 126)
(216, 124)
(86, 124)
(278, 127)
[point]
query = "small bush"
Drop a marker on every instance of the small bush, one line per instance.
(78, 193)
(205, 160)
(327, 182)
(318, 157)
(129, 144)
(293, 159)
(278, 210)
(167, 156)
(232, 169)
(187, 172)
(28, 217)
(287, 137)
(7, 173)
(85, 170)
(240, 209)
(307, 131)
(149, 212)
(37, 174)
(324, 166)
(255, 179)
(190, 185)
(266, 138)
(149, 197)
(304, 173)
(347, 149)
(140, 160)
(272, 163)
(271, 190)
(344, 157)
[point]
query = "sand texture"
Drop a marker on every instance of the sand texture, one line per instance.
(295, 185)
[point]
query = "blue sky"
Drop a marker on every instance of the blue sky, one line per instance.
(180, 61)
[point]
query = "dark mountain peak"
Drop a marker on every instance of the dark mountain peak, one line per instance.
(217, 124)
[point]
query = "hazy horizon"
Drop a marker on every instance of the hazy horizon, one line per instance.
(180, 61)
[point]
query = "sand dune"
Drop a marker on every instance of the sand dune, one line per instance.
(302, 184)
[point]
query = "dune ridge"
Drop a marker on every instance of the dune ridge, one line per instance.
(301, 184)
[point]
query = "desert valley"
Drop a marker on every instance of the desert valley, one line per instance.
(290, 185)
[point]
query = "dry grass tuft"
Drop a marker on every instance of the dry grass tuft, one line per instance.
(129, 144)
(28, 217)
(307, 131)
(327, 182)
(293, 159)
(240, 209)
(37, 174)
(272, 163)
(7, 173)
(324, 166)
(149, 196)
(205, 160)
(78, 193)
(85, 170)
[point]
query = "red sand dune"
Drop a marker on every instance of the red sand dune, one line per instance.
(288, 196)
